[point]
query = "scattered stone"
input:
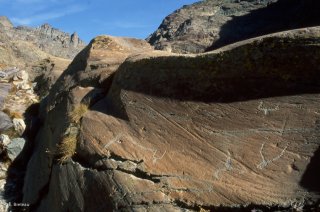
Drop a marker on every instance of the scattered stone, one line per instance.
(10, 73)
(3, 175)
(29, 91)
(5, 121)
(23, 85)
(15, 147)
(4, 140)
(34, 85)
(23, 75)
(3, 171)
(3, 74)
(4, 206)
(23, 47)
(19, 125)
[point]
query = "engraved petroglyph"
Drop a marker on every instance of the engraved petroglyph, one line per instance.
(265, 110)
(265, 162)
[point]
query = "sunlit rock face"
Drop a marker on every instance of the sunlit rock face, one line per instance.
(234, 127)
(210, 24)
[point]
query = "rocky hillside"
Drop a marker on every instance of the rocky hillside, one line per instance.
(18, 53)
(210, 24)
(44, 52)
(45, 37)
(153, 131)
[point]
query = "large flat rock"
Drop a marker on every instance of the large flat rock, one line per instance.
(206, 154)
(235, 127)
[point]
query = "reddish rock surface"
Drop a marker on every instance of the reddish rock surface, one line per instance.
(166, 132)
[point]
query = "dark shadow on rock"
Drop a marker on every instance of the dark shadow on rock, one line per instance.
(272, 67)
(311, 177)
(279, 16)
(111, 106)
(98, 100)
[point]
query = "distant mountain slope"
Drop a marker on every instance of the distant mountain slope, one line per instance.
(45, 37)
(18, 53)
(210, 24)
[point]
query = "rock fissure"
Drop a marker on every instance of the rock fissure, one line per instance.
(121, 159)
(43, 192)
(136, 172)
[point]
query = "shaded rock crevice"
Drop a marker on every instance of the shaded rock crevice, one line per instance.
(116, 163)
(43, 192)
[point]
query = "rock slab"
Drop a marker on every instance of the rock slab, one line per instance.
(226, 129)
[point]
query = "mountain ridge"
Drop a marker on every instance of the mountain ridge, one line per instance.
(210, 24)
(47, 38)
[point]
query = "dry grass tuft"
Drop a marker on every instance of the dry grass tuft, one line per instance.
(12, 114)
(11, 133)
(203, 210)
(67, 148)
(78, 112)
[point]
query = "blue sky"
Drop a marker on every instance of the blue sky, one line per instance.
(90, 18)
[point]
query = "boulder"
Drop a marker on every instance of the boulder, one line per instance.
(19, 125)
(15, 147)
(5, 122)
(236, 128)
(4, 140)
(22, 85)
(10, 73)
(23, 75)
(3, 74)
